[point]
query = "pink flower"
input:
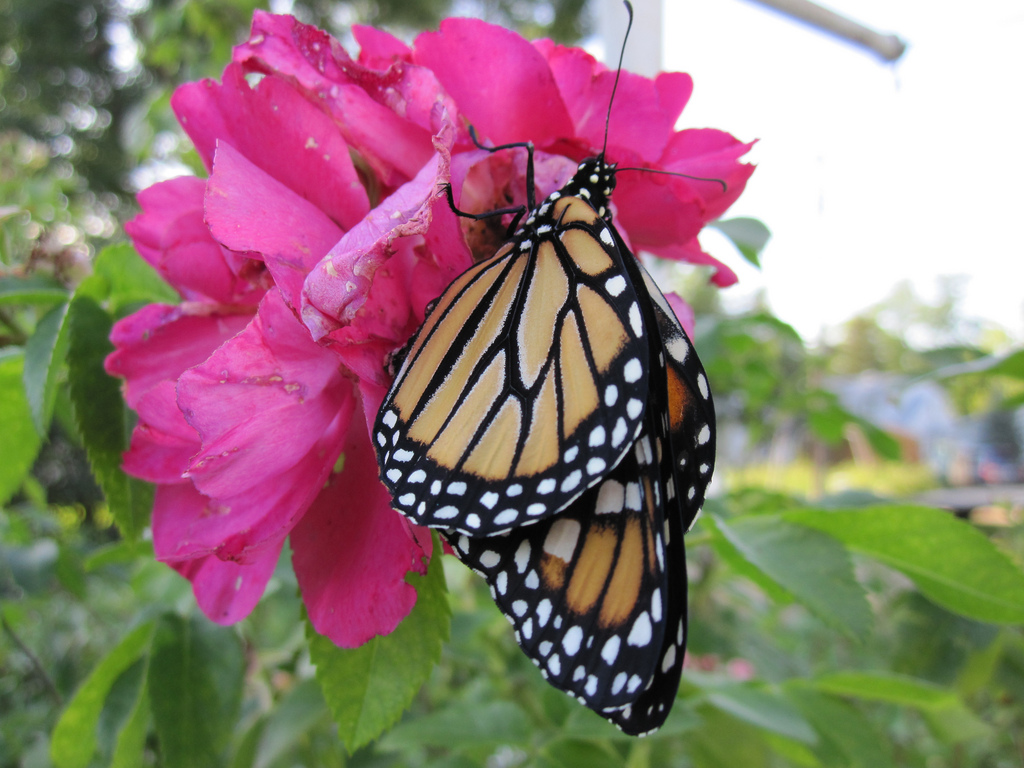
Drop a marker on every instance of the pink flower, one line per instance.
(309, 255)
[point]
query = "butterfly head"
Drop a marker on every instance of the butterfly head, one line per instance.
(594, 181)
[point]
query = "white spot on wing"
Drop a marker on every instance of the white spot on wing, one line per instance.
(615, 285)
(562, 538)
(611, 498)
(611, 649)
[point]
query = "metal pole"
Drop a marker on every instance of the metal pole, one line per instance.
(888, 47)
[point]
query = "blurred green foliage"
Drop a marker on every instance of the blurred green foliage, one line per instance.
(847, 630)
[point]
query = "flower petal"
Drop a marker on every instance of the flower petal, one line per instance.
(379, 49)
(226, 591)
(501, 82)
(171, 235)
(272, 408)
(281, 132)
(644, 112)
(162, 442)
(351, 552)
(710, 154)
(160, 341)
(249, 210)
(386, 117)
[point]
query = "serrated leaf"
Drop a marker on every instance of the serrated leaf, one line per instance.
(20, 439)
(738, 562)
(813, 568)
(748, 235)
(102, 417)
(847, 739)
(762, 707)
(466, 724)
(35, 289)
(196, 672)
(121, 279)
(368, 688)
(950, 561)
(74, 737)
(44, 356)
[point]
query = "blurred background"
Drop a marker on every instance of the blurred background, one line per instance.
(870, 351)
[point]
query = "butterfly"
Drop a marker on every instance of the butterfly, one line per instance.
(552, 419)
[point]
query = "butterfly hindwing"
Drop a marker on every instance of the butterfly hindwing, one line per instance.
(688, 403)
(594, 592)
(527, 382)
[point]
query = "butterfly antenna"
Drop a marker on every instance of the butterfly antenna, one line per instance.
(618, 71)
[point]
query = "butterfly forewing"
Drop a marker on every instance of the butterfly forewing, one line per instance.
(526, 384)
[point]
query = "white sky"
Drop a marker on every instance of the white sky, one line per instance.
(869, 172)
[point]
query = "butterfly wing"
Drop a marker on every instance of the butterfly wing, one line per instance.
(689, 405)
(527, 382)
(597, 594)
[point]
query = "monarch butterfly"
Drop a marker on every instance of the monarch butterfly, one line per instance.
(552, 419)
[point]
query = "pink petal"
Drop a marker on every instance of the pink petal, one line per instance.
(160, 341)
(692, 253)
(373, 281)
(249, 210)
(379, 49)
(683, 311)
(272, 408)
(656, 210)
(281, 132)
(644, 112)
(351, 552)
(386, 117)
(710, 154)
(171, 235)
(162, 442)
(225, 591)
(500, 81)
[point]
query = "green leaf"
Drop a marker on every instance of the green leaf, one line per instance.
(290, 721)
(886, 686)
(131, 739)
(196, 671)
(1009, 364)
(763, 707)
(570, 753)
(956, 724)
(20, 439)
(811, 566)
(368, 688)
(748, 235)
(466, 724)
(121, 279)
(44, 356)
(35, 289)
(846, 737)
(724, 740)
(739, 563)
(102, 417)
(949, 560)
(74, 737)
